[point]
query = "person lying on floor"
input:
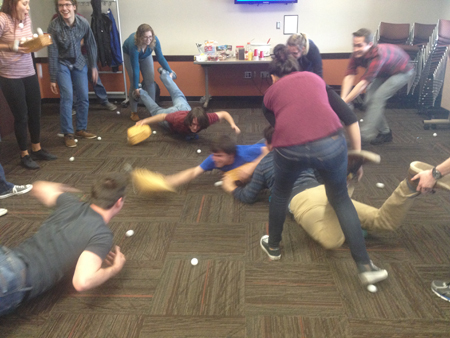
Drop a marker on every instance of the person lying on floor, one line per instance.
(225, 156)
(180, 118)
(311, 209)
(75, 239)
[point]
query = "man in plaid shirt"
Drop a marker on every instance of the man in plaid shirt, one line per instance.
(387, 71)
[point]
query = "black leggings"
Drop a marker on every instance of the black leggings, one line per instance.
(24, 100)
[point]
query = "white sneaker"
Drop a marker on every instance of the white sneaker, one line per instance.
(3, 212)
(371, 274)
(17, 190)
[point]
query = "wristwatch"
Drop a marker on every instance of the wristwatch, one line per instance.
(436, 174)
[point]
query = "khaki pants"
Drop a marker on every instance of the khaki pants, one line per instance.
(314, 213)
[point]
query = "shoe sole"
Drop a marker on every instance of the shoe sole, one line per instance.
(417, 167)
(440, 296)
(273, 258)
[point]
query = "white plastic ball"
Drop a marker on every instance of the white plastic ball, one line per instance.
(194, 261)
(218, 183)
(380, 185)
(71, 159)
(372, 288)
(199, 151)
(434, 134)
(154, 131)
(118, 112)
(76, 140)
(129, 233)
(362, 120)
(99, 138)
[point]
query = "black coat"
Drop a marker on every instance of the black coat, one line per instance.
(101, 27)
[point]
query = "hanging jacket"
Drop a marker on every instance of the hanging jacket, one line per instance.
(116, 50)
(101, 27)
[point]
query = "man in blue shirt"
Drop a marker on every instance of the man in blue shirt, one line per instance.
(225, 156)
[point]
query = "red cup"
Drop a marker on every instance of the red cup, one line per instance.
(261, 55)
(255, 52)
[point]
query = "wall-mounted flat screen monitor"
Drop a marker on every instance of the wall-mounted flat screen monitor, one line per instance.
(265, 1)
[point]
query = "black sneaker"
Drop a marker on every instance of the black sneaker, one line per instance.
(441, 289)
(28, 162)
(370, 273)
(382, 138)
(42, 154)
(274, 254)
(16, 190)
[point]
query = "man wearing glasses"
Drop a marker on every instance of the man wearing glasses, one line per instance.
(68, 67)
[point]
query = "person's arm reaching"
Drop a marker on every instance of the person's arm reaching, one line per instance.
(347, 85)
(48, 192)
(358, 89)
(184, 176)
(152, 119)
(426, 179)
(354, 136)
(89, 272)
(248, 193)
(223, 115)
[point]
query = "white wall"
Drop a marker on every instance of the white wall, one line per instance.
(179, 24)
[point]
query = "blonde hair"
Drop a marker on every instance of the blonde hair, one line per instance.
(300, 41)
(141, 30)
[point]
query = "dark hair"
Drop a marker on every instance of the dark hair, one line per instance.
(141, 30)
(74, 3)
(268, 133)
(223, 144)
(200, 114)
(109, 189)
(283, 62)
(9, 7)
(367, 34)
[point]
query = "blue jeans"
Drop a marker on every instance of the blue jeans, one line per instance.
(68, 81)
(4, 184)
(148, 74)
(329, 157)
(179, 102)
(99, 90)
(12, 280)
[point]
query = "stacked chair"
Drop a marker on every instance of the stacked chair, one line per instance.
(431, 69)
(421, 34)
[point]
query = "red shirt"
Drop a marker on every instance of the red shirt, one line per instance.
(176, 122)
(302, 111)
(383, 60)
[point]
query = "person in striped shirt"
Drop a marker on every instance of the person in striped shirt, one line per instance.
(19, 82)
(387, 71)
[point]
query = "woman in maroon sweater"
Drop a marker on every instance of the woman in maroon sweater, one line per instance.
(308, 134)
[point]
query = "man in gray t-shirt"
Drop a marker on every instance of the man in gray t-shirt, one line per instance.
(74, 238)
